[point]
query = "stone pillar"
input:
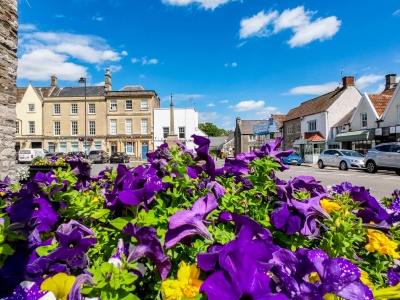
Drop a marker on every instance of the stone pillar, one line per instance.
(8, 87)
(171, 136)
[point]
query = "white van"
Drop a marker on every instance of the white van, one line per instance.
(27, 155)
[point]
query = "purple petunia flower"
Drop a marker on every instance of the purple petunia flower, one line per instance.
(30, 290)
(186, 223)
(72, 249)
(203, 145)
(271, 149)
(393, 275)
(371, 210)
(148, 245)
(39, 212)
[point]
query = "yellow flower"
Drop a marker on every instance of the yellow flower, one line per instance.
(329, 206)
(60, 285)
(381, 243)
(365, 279)
(187, 285)
(171, 290)
(95, 199)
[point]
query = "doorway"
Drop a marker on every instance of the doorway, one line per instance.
(114, 147)
(145, 149)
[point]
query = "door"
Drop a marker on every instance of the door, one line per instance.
(145, 149)
(114, 147)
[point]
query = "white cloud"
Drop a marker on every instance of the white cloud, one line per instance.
(59, 16)
(145, 61)
(27, 27)
(297, 19)
(114, 69)
(380, 89)
(60, 53)
(257, 24)
(241, 44)
(267, 111)
(366, 80)
(210, 104)
(207, 4)
(224, 101)
(97, 18)
(233, 65)
(40, 64)
(142, 76)
(124, 53)
(313, 89)
(248, 105)
(101, 83)
(321, 30)
(396, 13)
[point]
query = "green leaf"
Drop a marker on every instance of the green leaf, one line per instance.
(6, 249)
(120, 223)
(100, 213)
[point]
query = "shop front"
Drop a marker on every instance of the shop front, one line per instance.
(361, 140)
(387, 134)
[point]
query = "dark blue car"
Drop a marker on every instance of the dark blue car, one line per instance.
(292, 159)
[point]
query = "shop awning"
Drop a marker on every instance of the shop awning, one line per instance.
(359, 135)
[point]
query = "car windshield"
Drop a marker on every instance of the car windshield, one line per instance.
(352, 153)
(118, 153)
(295, 154)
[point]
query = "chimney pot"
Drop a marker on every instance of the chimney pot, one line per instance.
(53, 81)
(107, 81)
(390, 81)
(348, 80)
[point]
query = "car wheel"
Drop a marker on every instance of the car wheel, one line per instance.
(321, 164)
(343, 166)
(371, 167)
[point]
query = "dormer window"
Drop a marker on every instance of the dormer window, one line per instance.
(364, 120)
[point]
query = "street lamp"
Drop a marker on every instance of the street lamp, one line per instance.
(83, 80)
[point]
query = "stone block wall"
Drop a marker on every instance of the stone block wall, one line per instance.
(8, 88)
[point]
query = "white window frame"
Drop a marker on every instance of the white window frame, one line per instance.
(144, 104)
(290, 129)
(92, 108)
(97, 145)
(113, 126)
(74, 108)
(252, 138)
(32, 128)
(128, 107)
(74, 128)
(31, 107)
(364, 120)
(144, 126)
(113, 105)
(165, 132)
(57, 128)
(57, 109)
(182, 132)
(312, 125)
(17, 127)
(129, 148)
(92, 127)
(74, 146)
(128, 126)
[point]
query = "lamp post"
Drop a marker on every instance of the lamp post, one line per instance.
(83, 80)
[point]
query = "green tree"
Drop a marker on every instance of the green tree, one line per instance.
(211, 130)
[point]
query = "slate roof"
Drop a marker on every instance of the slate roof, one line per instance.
(41, 91)
(315, 136)
(316, 105)
(20, 94)
(217, 141)
(78, 91)
(246, 126)
(131, 88)
(346, 119)
(279, 119)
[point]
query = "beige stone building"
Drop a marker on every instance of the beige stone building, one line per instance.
(59, 118)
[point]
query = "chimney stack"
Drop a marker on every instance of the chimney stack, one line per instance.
(107, 81)
(348, 80)
(390, 81)
(53, 80)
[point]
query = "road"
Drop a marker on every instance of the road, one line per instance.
(380, 184)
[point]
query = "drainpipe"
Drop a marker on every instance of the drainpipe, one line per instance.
(326, 130)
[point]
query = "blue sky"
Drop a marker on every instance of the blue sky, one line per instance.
(227, 58)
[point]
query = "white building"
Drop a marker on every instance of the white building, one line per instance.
(186, 121)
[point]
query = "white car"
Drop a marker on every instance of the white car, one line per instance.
(341, 158)
(27, 155)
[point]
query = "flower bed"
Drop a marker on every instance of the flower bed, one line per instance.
(178, 228)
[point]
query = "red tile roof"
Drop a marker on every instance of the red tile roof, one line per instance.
(279, 119)
(315, 136)
(380, 101)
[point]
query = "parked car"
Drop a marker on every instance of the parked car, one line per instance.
(99, 156)
(383, 157)
(119, 157)
(341, 158)
(75, 153)
(292, 159)
(56, 154)
(27, 155)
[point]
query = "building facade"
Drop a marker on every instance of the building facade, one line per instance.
(245, 140)
(186, 123)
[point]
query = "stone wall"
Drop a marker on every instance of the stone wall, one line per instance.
(8, 88)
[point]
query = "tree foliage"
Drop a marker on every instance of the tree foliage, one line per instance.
(211, 130)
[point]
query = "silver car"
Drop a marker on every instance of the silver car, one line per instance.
(341, 158)
(383, 157)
